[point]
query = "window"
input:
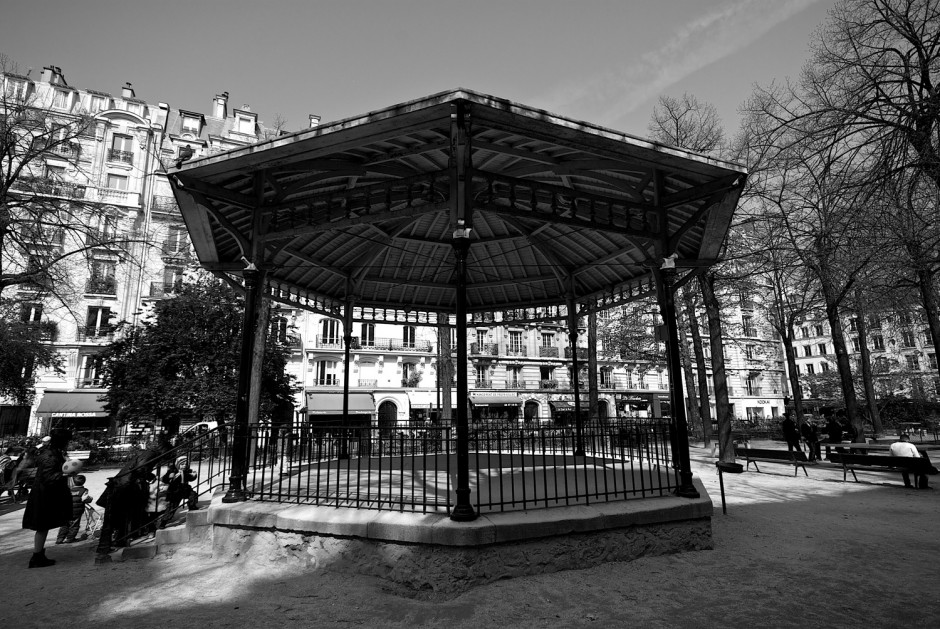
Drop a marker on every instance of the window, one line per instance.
(904, 318)
(367, 335)
(482, 379)
(514, 377)
(135, 108)
(856, 344)
(55, 173)
(932, 360)
(548, 339)
(172, 279)
(122, 149)
(810, 369)
(32, 313)
(606, 378)
(97, 321)
(408, 372)
(408, 336)
(822, 349)
(748, 325)
(481, 339)
(804, 332)
(245, 125)
(547, 373)
(818, 329)
(60, 99)
(516, 345)
(176, 241)
(913, 362)
(329, 332)
(874, 322)
(16, 90)
(91, 370)
(824, 366)
(878, 342)
(117, 182)
(102, 280)
(191, 125)
(749, 352)
(98, 103)
(807, 350)
(327, 373)
(907, 338)
(279, 329)
(797, 372)
(752, 385)
(853, 324)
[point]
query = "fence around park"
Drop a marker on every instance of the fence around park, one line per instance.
(414, 468)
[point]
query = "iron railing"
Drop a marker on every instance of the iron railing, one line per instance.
(512, 466)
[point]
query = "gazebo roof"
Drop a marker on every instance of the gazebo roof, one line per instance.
(367, 208)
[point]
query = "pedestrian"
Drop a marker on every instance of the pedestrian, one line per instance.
(177, 479)
(80, 498)
(811, 436)
(791, 434)
(904, 447)
(50, 501)
(834, 431)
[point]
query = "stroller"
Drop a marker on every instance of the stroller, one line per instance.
(93, 523)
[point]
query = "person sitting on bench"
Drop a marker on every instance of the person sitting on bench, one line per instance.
(904, 447)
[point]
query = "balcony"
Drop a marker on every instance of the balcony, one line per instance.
(516, 384)
(548, 352)
(163, 289)
(93, 382)
(750, 391)
(484, 349)
(370, 384)
(163, 204)
(104, 334)
(483, 384)
(175, 250)
(582, 353)
(125, 157)
(49, 186)
(48, 236)
(328, 342)
(101, 286)
(516, 351)
(548, 384)
(383, 345)
(329, 381)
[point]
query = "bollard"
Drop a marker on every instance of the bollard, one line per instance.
(731, 468)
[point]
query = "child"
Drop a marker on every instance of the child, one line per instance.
(80, 497)
(177, 478)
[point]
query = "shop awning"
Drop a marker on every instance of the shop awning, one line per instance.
(319, 403)
(428, 399)
(71, 404)
(562, 406)
(478, 399)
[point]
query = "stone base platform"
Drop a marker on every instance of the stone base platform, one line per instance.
(431, 552)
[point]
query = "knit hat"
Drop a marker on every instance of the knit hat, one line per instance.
(181, 462)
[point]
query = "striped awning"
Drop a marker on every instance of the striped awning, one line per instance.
(319, 403)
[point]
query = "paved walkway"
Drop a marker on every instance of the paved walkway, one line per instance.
(791, 552)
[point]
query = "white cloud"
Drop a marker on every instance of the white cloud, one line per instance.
(709, 37)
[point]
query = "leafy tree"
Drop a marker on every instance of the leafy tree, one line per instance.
(184, 361)
(26, 348)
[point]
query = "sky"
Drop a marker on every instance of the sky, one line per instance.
(602, 61)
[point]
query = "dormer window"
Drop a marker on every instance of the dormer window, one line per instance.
(135, 108)
(98, 103)
(246, 125)
(60, 99)
(191, 125)
(16, 90)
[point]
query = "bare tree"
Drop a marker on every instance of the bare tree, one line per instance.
(689, 123)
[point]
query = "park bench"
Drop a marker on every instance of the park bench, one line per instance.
(766, 455)
(880, 463)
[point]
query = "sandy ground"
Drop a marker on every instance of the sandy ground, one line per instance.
(791, 552)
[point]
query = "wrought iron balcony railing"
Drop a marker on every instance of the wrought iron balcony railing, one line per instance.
(115, 155)
(103, 334)
(548, 352)
(101, 286)
(516, 351)
(94, 382)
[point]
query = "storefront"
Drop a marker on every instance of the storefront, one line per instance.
(326, 409)
(495, 407)
(79, 411)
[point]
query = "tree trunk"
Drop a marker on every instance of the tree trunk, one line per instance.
(842, 359)
(445, 371)
(930, 297)
(700, 366)
(796, 389)
(692, 405)
(592, 367)
(722, 407)
(867, 376)
(257, 358)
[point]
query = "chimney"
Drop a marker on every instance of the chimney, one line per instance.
(314, 121)
(220, 105)
(246, 107)
(52, 75)
(127, 91)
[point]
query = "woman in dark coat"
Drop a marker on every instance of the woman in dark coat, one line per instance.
(50, 501)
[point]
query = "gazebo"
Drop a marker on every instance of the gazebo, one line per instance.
(456, 204)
